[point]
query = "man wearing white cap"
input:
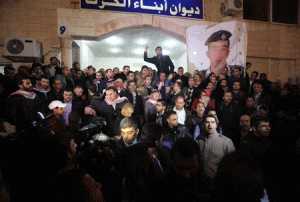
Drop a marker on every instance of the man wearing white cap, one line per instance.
(57, 122)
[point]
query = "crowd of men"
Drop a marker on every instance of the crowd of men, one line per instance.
(162, 135)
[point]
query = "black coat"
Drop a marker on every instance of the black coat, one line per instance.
(229, 116)
(153, 118)
(184, 79)
(21, 111)
(192, 121)
(46, 100)
(163, 65)
(108, 112)
(139, 112)
(171, 135)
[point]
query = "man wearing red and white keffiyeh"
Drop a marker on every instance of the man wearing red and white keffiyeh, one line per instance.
(109, 107)
(23, 105)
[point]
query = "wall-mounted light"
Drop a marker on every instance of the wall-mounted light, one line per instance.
(114, 50)
(170, 43)
(138, 51)
(113, 40)
(141, 41)
(166, 52)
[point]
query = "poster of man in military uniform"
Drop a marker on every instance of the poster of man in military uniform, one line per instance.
(211, 48)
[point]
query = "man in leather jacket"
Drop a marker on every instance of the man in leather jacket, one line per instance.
(173, 131)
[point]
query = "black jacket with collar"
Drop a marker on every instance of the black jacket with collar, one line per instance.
(108, 112)
(163, 116)
(171, 134)
(163, 65)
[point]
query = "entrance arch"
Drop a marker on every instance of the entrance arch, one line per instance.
(147, 21)
(95, 25)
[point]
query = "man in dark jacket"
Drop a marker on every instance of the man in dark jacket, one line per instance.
(22, 105)
(54, 68)
(162, 62)
(109, 76)
(173, 131)
(187, 182)
(195, 119)
(160, 116)
(43, 90)
(129, 134)
(136, 100)
(228, 114)
(109, 106)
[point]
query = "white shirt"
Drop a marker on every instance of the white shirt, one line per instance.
(181, 115)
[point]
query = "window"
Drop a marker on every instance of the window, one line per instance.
(285, 11)
(281, 11)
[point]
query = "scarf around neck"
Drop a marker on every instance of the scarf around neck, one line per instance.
(26, 94)
(152, 101)
(38, 87)
(116, 101)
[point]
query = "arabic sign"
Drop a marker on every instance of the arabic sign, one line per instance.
(181, 8)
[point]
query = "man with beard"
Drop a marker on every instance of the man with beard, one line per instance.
(43, 91)
(91, 76)
(245, 128)
(173, 131)
(65, 78)
(54, 67)
(218, 93)
(109, 77)
(22, 105)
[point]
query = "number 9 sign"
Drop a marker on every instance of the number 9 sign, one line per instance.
(62, 29)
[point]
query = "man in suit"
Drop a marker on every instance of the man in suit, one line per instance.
(136, 100)
(261, 97)
(123, 74)
(250, 81)
(71, 105)
(184, 79)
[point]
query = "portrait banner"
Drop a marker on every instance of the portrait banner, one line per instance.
(200, 38)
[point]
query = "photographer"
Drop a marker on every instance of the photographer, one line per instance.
(99, 162)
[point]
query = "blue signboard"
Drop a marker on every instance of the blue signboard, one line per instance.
(180, 8)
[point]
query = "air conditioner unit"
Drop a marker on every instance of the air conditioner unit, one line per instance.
(22, 49)
(233, 7)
